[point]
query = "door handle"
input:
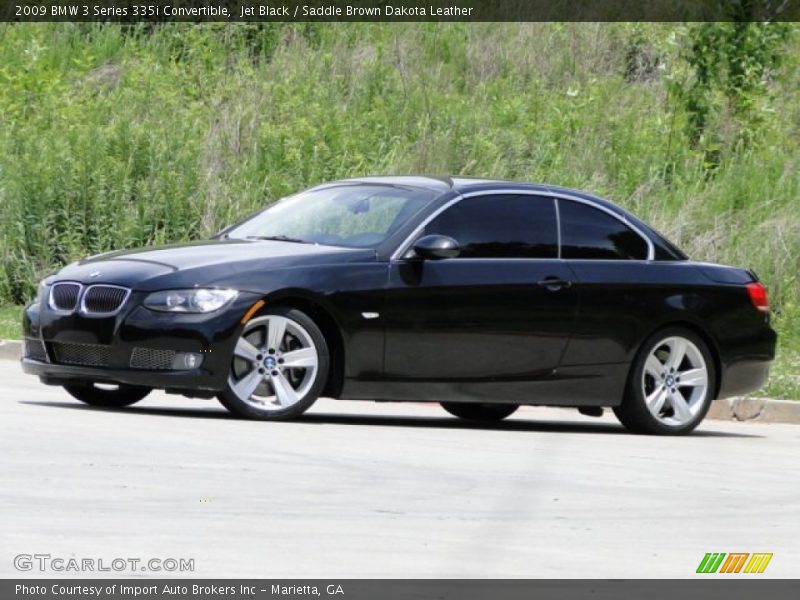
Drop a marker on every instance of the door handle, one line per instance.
(554, 284)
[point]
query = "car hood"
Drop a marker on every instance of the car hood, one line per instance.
(203, 263)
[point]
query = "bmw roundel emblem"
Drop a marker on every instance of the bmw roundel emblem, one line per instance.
(94, 274)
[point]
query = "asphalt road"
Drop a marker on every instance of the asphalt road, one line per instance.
(386, 490)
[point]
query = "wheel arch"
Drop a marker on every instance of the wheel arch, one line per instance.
(316, 309)
(695, 328)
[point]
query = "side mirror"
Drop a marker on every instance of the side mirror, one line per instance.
(435, 247)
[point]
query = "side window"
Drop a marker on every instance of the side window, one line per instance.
(589, 233)
(503, 226)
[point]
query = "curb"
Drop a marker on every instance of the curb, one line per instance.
(10, 349)
(759, 410)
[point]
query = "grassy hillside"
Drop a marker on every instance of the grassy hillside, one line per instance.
(116, 136)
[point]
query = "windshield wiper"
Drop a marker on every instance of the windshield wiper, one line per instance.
(278, 238)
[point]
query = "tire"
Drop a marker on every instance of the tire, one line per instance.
(262, 383)
(671, 384)
(480, 411)
(123, 395)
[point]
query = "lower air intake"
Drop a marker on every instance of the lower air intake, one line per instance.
(88, 355)
(153, 360)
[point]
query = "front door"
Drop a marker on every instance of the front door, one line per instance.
(491, 320)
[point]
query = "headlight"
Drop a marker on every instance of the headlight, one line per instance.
(190, 301)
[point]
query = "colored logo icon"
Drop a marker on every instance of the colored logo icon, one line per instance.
(734, 562)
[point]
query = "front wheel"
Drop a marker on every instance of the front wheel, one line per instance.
(480, 411)
(671, 386)
(107, 396)
(279, 366)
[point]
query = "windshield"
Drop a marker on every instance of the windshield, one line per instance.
(355, 216)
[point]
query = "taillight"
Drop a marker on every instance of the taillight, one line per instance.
(758, 296)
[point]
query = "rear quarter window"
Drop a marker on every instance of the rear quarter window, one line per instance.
(590, 233)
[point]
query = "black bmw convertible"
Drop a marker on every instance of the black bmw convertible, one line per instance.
(481, 295)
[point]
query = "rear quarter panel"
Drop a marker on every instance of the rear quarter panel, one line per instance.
(622, 303)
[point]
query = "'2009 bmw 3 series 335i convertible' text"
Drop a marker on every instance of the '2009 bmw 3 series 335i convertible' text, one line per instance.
(481, 295)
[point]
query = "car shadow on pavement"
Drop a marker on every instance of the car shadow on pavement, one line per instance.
(512, 424)
(421, 422)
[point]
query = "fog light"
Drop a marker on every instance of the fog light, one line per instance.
(187, 360)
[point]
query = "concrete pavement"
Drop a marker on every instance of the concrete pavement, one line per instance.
(386, 490)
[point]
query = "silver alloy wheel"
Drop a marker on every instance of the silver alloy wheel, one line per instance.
(275, 363)
(675, 381)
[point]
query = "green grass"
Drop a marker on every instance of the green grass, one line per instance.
(784, 380)
(10, 322)
(115, 136)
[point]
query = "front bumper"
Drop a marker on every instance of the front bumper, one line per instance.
(68, 348)
(193, 380)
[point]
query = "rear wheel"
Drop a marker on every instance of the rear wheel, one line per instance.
(109, 396)
(671, 386)
(279, 366)
(480, 411)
